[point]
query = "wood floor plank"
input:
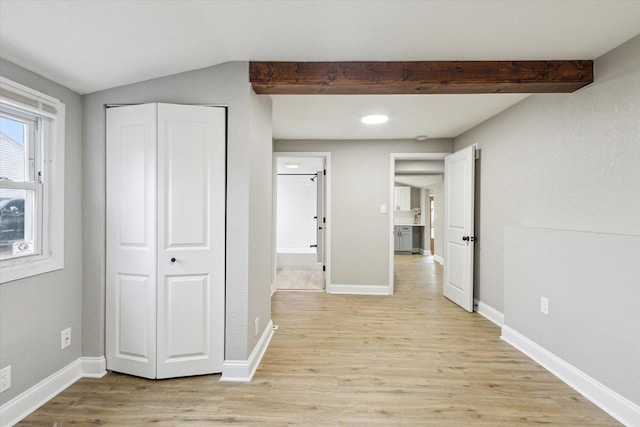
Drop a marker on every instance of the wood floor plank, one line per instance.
(411, 359)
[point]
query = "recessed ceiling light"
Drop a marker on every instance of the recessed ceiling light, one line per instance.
(374, 119)
(291, 165)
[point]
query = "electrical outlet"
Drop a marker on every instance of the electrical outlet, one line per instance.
(544, 305)
(257, 324)
(65, 338)
(5, 378)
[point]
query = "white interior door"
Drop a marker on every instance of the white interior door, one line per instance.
(131, 240)
(165, 240)
(320, 216)
(321, 223)
(191, 240)
(459, 177)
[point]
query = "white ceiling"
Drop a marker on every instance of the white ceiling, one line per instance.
(306, 165)
(436, 116)
(90, 45)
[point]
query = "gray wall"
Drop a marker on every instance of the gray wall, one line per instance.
(360, 184)
(261, 216)
(223, 84)
(34, 310)
(566, 162)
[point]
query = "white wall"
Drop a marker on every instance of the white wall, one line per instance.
(297, 200)
(567, 162)
(360, 184)
(34, 310)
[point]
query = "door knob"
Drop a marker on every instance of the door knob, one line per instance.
(465, 238)
(468, 238)
(173, 260)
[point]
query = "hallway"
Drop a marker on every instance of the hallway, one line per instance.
(413, 358)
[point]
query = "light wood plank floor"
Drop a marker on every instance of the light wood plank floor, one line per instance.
(411, 359)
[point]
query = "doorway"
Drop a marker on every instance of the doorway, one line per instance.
(432, 230)
(300, 221)
(423, 173)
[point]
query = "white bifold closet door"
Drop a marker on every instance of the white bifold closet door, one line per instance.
(165, 265)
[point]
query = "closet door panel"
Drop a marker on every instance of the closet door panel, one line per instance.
(191, 239)
(187, 314)
(131, 240)
(187, 202)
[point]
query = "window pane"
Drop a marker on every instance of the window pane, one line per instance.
(13, 150)
(17, 222)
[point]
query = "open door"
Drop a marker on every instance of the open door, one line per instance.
(320, 216)
(459, 177)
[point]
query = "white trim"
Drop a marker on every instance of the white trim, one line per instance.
(53, 133)
(359, 289)
(420, 156)
(243, 370)
(437, 258)
(25, 403)
(273, 288)
(425, 252)
(619, 407)
(488, 312)
(93, 367)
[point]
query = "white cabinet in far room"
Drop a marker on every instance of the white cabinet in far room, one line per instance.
(402, 198)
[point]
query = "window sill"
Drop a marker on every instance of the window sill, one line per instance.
(21, 269)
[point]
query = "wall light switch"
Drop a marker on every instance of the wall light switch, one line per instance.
(383, 209)
(544, 305)
(65, 338)
(5, 378)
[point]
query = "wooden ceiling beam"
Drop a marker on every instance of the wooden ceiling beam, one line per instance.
(420, 77)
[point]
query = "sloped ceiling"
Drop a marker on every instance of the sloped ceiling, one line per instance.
(99, 44)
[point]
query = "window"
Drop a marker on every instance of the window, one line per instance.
(31, 182)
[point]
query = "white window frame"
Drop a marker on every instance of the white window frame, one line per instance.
(22, 98)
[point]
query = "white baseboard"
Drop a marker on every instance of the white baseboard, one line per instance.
(619, 407)
(425, 252)
(22, 405)
(94, 367)
(273, 289)
(488, 312)
(243, 370)
(437, 258)
(358, 289)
